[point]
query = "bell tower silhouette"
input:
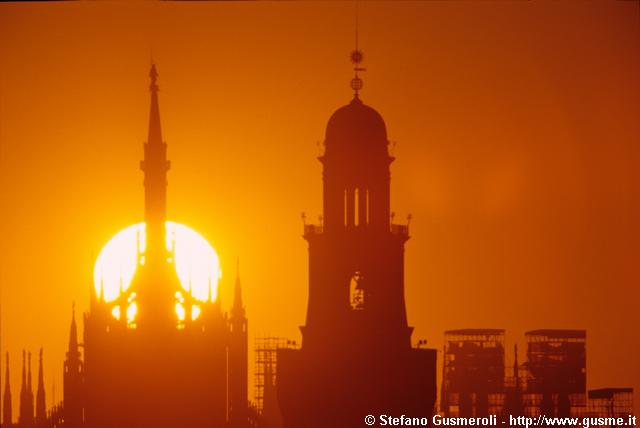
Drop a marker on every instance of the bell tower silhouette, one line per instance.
(356, 260)
(356, 357)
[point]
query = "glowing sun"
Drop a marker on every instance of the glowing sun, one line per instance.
(195, 260)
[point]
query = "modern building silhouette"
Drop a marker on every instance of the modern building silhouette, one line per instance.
(356, 356)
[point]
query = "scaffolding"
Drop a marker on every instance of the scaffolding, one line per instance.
(473, 372)
(611, 402)
(556, 365)
(265, 364)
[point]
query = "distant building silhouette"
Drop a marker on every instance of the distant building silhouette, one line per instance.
(557, 366)
(265, 376)
(356, 356)
(474, 372)
(611, 402)
(551, 382)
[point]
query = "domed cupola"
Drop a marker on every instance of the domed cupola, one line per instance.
(356, 165)
(355, 127)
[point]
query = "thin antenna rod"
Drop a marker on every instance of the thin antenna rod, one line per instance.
(356, 25)
(356, 59)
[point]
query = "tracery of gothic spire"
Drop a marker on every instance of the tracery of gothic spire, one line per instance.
(155, 166)
(7, 411)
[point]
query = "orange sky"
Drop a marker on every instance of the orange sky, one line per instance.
(517, 152)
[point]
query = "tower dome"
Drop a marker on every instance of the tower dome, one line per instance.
(356, 126)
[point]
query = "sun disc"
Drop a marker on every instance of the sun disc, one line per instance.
(196, 262)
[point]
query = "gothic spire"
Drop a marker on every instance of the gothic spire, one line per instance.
(41, 409)
(93, 295)
(238, 308)
(155, 166)
(155, 131)
(29, 385)
(26, 395)
(7, 413)
(73, 331)
(23, 417)
(23, 385)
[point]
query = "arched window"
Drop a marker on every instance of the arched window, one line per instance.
(356, 292)
(367, 206)
(344, 207)
(356, 209)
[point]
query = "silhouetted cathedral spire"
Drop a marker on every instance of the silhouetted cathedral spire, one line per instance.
(26, 393)
(23, 389)
(73, 332)
(156, 283)
(30, 386)
(155, 166)
(7, 411)
(238, 352)
(41, 409)
(175, 361)
(73, 378)
(237, 310)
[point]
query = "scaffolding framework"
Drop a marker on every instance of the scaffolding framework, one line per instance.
(265, 349)
(611, 402)
(473, 372)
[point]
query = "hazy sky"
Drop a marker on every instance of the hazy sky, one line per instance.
(516, 135)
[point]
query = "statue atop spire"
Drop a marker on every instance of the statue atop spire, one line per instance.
(7, 412)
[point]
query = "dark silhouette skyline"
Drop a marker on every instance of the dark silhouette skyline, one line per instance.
(521, 183)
